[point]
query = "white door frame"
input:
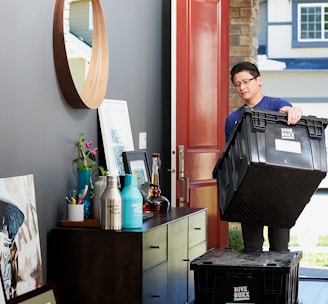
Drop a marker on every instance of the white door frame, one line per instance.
(173, 99)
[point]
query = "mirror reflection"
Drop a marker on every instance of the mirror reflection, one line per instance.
(78, 33)
(81, 51)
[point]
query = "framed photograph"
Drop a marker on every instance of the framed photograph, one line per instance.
(46, 294)
(116, 133)
(135, 162)
(21, 263)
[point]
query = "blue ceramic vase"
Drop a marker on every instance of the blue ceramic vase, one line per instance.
(84, 178)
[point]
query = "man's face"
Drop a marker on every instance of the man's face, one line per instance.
(247, 86)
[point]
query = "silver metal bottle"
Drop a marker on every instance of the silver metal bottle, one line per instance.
(111, 205)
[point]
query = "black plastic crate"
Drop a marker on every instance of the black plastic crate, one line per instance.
(269, 170)
(268, 277)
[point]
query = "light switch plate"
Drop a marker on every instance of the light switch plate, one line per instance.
(142, 140)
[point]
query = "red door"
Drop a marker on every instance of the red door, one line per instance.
(202, 99)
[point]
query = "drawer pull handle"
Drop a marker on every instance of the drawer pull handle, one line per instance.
(155, 296)
(186, 260)
(198, 228)
(154, 247)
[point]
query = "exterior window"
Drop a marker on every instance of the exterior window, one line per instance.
(90, 17)
(313, 22)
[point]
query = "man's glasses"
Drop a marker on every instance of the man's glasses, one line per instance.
(237, 85)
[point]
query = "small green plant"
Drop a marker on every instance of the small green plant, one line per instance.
(86, 158)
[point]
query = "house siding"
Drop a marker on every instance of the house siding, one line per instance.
(282, 33)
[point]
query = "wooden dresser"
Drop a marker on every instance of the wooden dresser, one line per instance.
(148, 265)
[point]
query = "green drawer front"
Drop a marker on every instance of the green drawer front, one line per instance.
(154, 247)
(197, 228)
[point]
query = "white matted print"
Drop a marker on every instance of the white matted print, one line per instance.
(20, 263)
(139, 170)
(116, 133)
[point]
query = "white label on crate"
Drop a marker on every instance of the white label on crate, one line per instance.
(288, 146)
(241, 293)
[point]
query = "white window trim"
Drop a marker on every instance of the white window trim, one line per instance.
(300, 6)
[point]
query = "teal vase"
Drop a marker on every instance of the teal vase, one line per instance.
(84, 178)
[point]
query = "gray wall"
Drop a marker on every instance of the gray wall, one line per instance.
(39, 129)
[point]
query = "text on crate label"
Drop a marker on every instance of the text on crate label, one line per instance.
(241, 293)
(287, 133)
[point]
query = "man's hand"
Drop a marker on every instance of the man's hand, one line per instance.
(294, 114)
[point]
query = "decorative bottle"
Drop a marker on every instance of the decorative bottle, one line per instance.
(132, 203)
(154, 190)
(156, 202)
(100, 186)
(111, 205)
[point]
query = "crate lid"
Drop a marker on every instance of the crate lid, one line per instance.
(229, 259)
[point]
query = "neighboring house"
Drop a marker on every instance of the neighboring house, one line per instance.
(79, 32)
(294, 32)
(293, 54)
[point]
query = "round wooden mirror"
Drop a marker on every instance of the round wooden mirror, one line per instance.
(91, 94)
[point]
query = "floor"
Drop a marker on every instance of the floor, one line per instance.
(313, 283)
(313, 286)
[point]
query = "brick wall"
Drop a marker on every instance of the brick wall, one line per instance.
(243, 38)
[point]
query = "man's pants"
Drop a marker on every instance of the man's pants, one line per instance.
(253, 237)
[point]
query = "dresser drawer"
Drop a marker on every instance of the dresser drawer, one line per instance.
(154, 247)
(197, 228)
(154, 285)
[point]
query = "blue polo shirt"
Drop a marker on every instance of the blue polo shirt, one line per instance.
(267, 103)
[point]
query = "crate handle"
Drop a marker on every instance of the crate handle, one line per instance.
(315, 126)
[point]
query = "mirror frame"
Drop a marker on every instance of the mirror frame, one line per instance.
(95, 86)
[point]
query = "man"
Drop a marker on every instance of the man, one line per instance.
(247, 81)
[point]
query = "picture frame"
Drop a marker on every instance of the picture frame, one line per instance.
(21, 262)
(46, 294)
(136, 162)
(116, 133)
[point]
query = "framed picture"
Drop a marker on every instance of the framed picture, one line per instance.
(46, 294)
(2, 293)
(21, 263)
(116, 133)
(135, 162)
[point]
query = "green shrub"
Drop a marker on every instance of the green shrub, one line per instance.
(293, 241)
(235, 237)
(318, 259)
(322, 240)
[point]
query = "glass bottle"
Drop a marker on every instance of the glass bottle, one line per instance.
(156, 202)
(132, 203)
(111, 201)
(154, 190)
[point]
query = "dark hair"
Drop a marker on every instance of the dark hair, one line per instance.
(244, 66)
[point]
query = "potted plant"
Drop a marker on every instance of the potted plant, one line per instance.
(85, 161)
